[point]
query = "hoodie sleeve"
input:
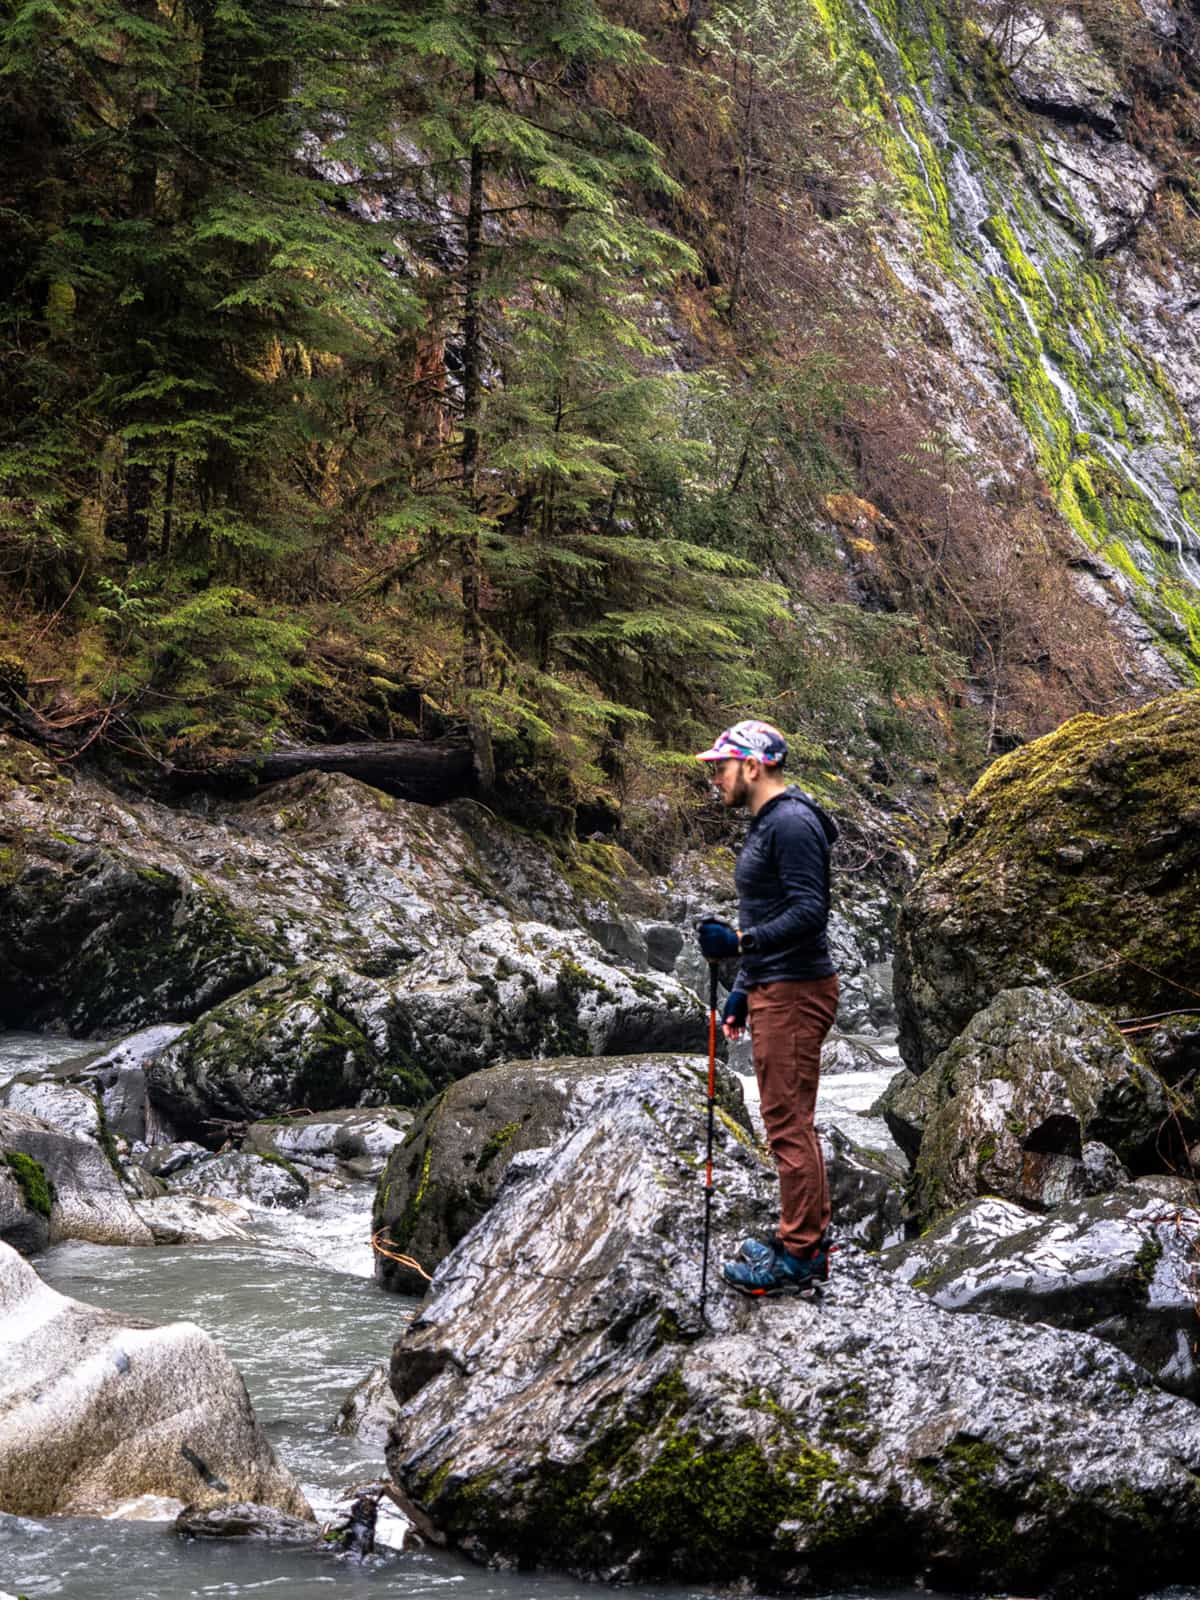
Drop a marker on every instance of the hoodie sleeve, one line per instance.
(800, 858)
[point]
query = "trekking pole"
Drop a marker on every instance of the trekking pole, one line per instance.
(712, 1097)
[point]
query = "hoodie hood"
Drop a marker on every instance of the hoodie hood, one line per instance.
(827, 823)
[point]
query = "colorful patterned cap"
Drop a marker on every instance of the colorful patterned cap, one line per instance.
(745, 740)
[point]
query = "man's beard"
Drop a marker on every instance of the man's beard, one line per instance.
(738, 796)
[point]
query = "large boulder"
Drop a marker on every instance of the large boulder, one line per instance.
(450, 1169)
(322, 1036)
(1121, 1266)
(561, 1404)
(1074, 860)
(866, 1190)
(291, 1042)
(1015, 1102)
(359, 1140)
(96, 1408)
(86, 1200)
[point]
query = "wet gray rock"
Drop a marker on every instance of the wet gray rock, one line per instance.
(1032, 1080)
(243, 1519)
(96, 1408)
(192, 1219)
(459, 1152)
(906, 1105)
(1056, 69)
(119, 1078)
(369, 1409)
(87, 1201)
(866, 1191)
(842, 1054)
(1123, 1266)
(165, 1160)
(97, 930)
(291, 1042)
(325, 1139)
(72, 1111)
(121, 911)
(526, 988)
(561, 1405)
(244, 1178)
(1111, 184)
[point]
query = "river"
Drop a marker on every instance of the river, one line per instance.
(298, 1310)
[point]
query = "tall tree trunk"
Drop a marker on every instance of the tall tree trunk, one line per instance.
(143, 190)
(472, 623)
(743, 241)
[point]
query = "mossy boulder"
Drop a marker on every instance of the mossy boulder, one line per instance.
(323, 1036)
(1015, 1104)
(447, 1174)
(91, 939)
(85, 1197)
(562, 1404)
(1074, 861)
(289, 1042)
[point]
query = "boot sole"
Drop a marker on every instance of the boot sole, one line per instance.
(802, 1291)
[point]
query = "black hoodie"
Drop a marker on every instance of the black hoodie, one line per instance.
(782, 880)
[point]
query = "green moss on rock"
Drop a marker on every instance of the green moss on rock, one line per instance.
(34, 1182)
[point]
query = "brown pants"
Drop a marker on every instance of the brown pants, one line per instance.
(788, 1022)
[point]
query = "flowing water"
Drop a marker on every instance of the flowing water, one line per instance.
(973, 203)
(298, 1310)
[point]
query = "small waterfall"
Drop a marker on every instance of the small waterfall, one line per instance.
(973, 211)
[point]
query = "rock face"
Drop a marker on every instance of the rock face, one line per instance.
(1074, 859)
(321, 1036)
(1012, 1106)
(560, 1404)
(86, 1200)
(95, 1409)
(1122, 1266)
(450, 1169)
(1057, 70)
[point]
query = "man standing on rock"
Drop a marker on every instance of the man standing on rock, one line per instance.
(786, 986)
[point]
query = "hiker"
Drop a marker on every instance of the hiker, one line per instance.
(787, 989)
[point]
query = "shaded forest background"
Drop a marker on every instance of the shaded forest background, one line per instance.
(521, 373)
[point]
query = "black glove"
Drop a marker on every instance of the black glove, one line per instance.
(737, 1004)
(717, 940)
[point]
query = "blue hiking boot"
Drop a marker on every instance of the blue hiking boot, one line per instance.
(777, 1273)
(758, 1252)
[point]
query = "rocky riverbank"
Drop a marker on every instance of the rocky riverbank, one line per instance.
(1007, 1400)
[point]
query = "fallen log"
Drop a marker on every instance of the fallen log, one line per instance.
(414, 769)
